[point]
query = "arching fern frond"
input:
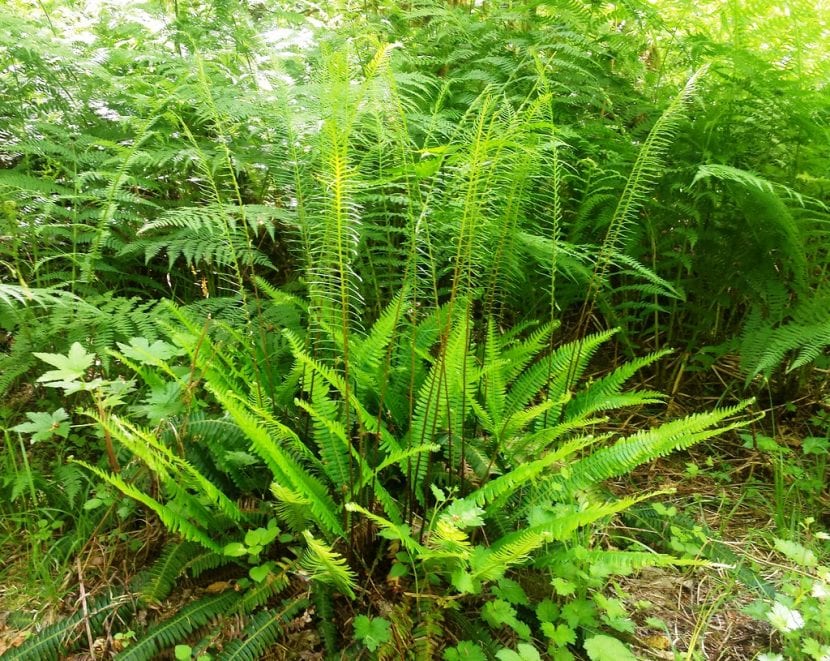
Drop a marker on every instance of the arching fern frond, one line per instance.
(263, 631)
(327, 566)
(159, 580)
(176, 629)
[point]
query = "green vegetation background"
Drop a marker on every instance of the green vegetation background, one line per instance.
(357, 321)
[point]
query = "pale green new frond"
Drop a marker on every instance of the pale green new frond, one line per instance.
(284, 468)
(327, 566)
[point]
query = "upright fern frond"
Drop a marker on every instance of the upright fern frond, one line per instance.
(644, 173)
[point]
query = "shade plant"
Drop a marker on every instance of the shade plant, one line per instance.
(343, 320)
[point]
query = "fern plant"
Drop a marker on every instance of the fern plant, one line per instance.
(498, 443)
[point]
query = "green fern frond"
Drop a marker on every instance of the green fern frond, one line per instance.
(261, 593)
(646, 445)
(173, 520)
(604, 393)
(325, 565)
(515, 548)
(161, 460)
(161, 577)
(55, 641)
(603, 562)
(643, 175)
(177, 628)
(284, 468)
(262, 632)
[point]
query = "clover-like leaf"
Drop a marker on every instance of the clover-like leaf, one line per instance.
(373, 632)
(464, 514)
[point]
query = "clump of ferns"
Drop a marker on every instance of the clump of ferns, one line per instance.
(493, 443)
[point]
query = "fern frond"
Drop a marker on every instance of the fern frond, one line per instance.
(260, 593)
(55, 641)
(172, 519)
(327, 566)
(646, 445)
(263, 631)
(161, 577)
(177, 628)
(642, 177)
(284, 468)
(604, 393)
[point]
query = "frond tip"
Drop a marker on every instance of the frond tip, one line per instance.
(326, 565)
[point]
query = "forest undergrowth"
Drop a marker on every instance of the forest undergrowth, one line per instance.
(417, 330)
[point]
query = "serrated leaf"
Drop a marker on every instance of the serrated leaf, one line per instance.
(796, 552)
(563, 588)
(42, 426)
(462, 581)
(785, 619)
(465, 651)
(547, 611)
(559, 635)
(140, 350)
(373, 632)
(511, 591)
(70, 367)
(524, 652)
(464, 514)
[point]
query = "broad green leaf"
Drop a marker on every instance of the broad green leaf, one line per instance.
(785, 619)
(140, 350)
(563, 588)
(372, 632)
(465, 651)
(464, 514)
(560, 635)
(606, 648)
(70, 367)
(42, 426)
(235, 550)
(260, 573)
(524, 652)
(547, 611)
(183, 652)
(796, 552)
